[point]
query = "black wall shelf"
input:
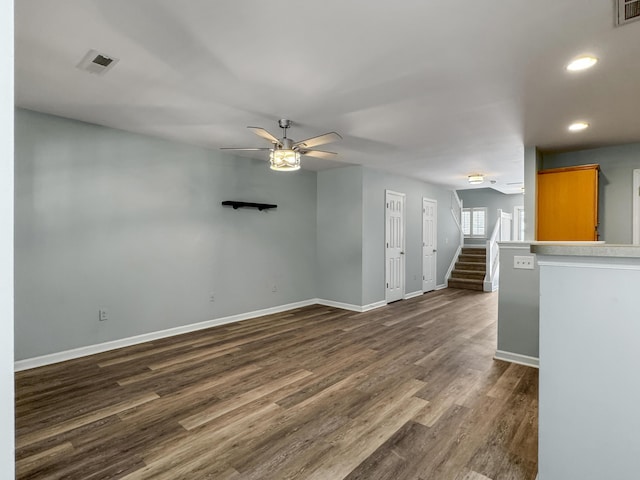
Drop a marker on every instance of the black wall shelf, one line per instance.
(259, 206)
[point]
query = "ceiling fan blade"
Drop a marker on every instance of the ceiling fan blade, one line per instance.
(317, 153)
(245, 149)
(261, 132)
(319, 140)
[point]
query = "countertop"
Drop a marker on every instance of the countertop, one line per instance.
(585, 249)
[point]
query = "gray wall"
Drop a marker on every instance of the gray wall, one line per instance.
(493, 200)
(112, 220)
(6, 243)
(518, 303)
(616, 183)
(339, 256)
(351, 210)
(133, 224)
(373, 274)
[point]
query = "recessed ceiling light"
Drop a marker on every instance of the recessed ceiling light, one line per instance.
(476, 178)
(582, 63)
(577, 126)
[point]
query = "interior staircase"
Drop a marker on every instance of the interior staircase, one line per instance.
(470, 269)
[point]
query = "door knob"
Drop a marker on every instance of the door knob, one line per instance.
(434, 250)
(401, 253)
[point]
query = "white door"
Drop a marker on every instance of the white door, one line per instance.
(429, 243)
(394, 246)
(506, 219)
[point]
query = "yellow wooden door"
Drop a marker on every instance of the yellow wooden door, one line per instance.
(568, 203)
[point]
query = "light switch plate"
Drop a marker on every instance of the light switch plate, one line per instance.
(525, 262)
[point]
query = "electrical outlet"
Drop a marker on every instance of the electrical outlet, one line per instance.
(102, 315)
(525, 262)
(212, 297)
(274, 289)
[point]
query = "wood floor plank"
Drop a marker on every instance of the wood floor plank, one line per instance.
(27, 465)
(85, 419)
(409, 391)
(220, 409)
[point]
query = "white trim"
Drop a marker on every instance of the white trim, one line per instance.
(510, 246)
(489, 286)
(350, 306)
(147, 337)
(452, 265)
(441, 286)
(373, 306)
(602, 266)
(457, 220)
(417, 293)
(636, 207)
(516, 231)
(517, 358)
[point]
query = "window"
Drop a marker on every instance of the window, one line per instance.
(474, 222)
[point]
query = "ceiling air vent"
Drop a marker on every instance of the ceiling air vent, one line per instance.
(98, 63)
(628, 11)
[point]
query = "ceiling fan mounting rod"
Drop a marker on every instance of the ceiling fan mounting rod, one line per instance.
(284, 124)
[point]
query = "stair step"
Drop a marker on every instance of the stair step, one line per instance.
(474, 251)
(466, 257)
(476, 266)
(474, 274)
(467, 284)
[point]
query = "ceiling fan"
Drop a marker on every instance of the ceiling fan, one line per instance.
(285, 153)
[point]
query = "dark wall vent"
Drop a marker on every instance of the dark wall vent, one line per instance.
(96, 62)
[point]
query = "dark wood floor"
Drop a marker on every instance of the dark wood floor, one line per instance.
(408, 391)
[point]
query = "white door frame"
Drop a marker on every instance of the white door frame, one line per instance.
(394, 290)
(516, 223)
(636, 207)
(429, 280)
(502, 215)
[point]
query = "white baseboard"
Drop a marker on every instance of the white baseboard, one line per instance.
(373, 306)
(350, 306)
(417, 293)
(489, 286)
(147, 337)
(442, 286)
(517, 358)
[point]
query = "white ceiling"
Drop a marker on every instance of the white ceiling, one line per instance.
(431, 89)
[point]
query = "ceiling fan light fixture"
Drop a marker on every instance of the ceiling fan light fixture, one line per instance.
(476, 179)
(284, 160)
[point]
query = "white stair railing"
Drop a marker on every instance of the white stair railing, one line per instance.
(492, 276)
(456, 213)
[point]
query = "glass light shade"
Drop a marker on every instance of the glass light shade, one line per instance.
(284, 160)
(476, 179)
